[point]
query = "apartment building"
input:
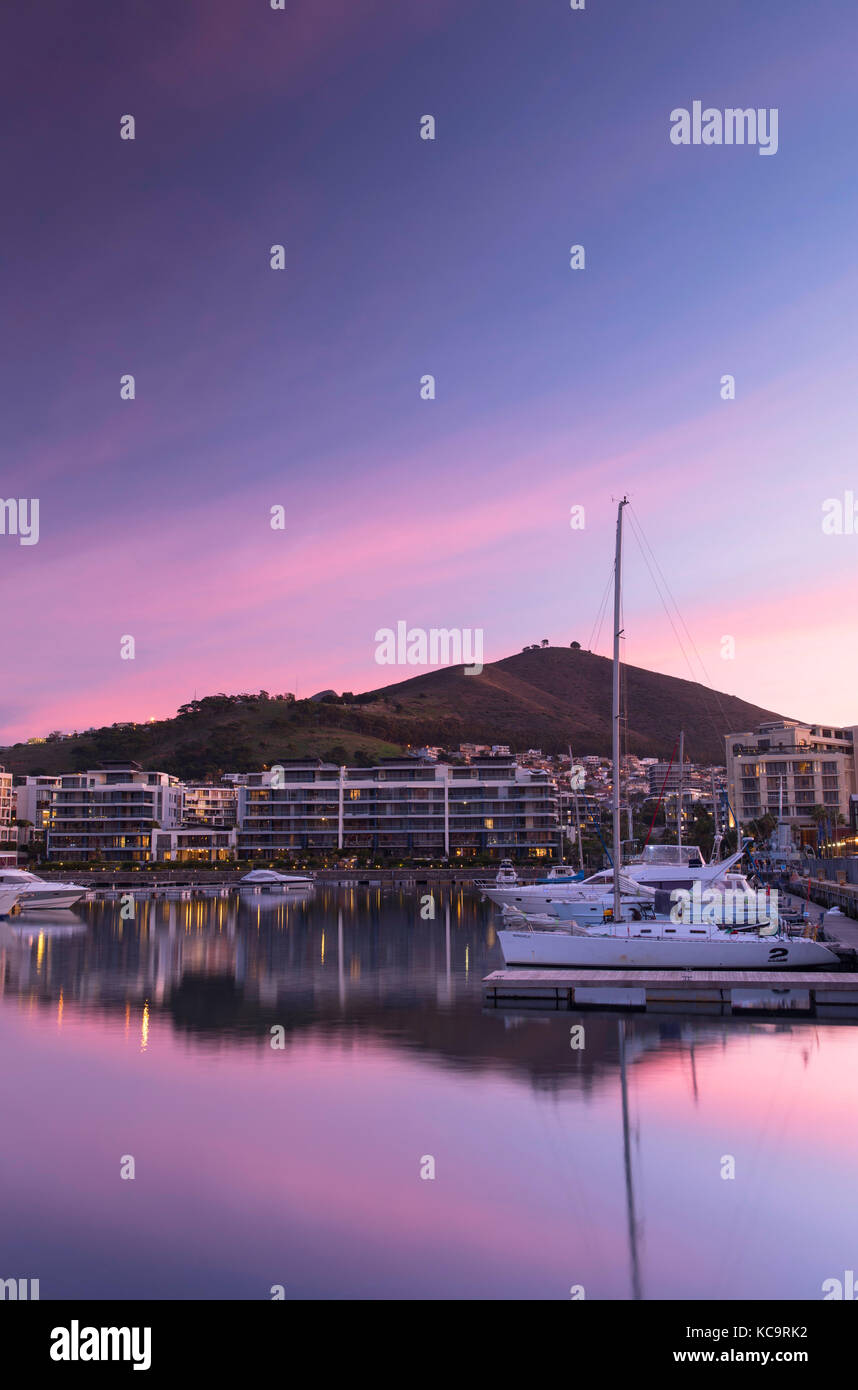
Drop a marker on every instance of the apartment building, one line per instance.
(110, 812)
(786, 768)
(205, 804)
(194, 844)
(404, 806)
(664, 777)
(8, 832)
(33, 799)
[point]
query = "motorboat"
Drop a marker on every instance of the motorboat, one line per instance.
(562, 873)
(548, 895)
(8, 899)
(505, 879)
(269, 878)
(671, 866)
(731, 901)
(665, 867)
(690, 935)
(37, 893)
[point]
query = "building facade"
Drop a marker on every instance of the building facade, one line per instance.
(409, 807)
(784, 769)
(194, 844)
(8, 832)
(109, 813)
(33, 799)
(207, 804)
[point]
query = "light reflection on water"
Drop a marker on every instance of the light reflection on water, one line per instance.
(300, 1166)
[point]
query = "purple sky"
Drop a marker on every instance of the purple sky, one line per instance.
(404, 257)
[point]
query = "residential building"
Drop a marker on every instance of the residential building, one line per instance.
(784, 768)
(8, 832)
(109, 813)
(401, 806)
(204, 803)
(33, 799)
(194, 844)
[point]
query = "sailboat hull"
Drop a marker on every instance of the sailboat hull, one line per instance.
(604, 952)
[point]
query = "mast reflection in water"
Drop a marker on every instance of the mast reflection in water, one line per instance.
(555, 1166)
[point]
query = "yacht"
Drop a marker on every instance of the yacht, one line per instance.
(35, 892)
(672, 866)
(660, 866)
(685, 938)
(505, 878)
(8, 899)
(269, 878)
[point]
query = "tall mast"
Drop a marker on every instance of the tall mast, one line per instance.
(716, 844)
(577, 812)
(681, 788)
(615, 710)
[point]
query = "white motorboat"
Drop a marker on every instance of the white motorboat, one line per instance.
(505, 878)
(671, 866)
(8, 899)
(685, 938)
(269, 878)
(660, 867)
(35, 892)
(547, 896)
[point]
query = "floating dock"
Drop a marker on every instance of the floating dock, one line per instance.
(817, 994)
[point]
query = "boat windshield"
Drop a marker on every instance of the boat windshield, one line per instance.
(677, 855)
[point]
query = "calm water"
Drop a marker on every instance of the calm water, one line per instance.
(301, 1166)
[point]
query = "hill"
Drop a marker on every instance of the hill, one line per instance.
(554, 696)
(549, 698)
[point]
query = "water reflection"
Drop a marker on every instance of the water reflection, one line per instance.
(558, 1165)
(223, 971)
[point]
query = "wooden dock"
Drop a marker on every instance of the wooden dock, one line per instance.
(818, 994)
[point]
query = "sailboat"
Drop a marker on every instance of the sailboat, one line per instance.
(644, 938)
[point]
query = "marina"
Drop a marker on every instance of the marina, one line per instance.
(161, 1024)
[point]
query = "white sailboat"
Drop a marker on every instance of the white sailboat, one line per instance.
(645, 939)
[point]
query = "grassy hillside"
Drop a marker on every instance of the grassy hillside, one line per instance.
(555, 697)
(547, 699)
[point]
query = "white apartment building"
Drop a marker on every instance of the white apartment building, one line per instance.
(404, 806)
(784, 767)
(207, 804)
(33, 803)
(109, 813)
(8, 832)
(194, 844)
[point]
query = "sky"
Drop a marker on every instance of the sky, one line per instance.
(300, 388)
